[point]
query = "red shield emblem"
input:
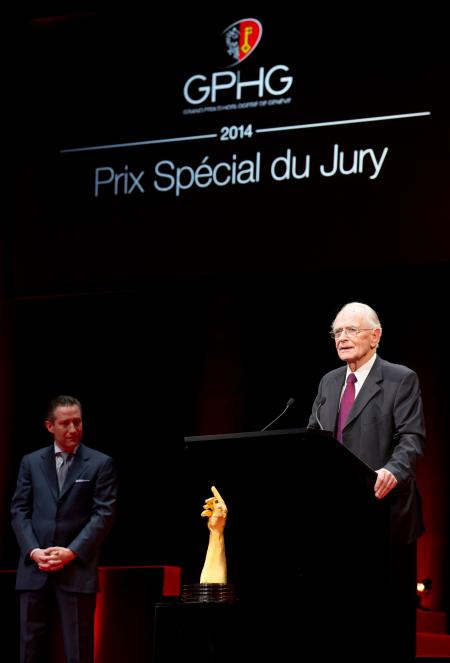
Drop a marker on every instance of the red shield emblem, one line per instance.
(241, 39)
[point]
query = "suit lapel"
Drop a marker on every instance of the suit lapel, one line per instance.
(49, 469)
(370, 387)
(74, 470)
(333, 395)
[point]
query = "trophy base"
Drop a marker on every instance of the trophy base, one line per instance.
(208, 592)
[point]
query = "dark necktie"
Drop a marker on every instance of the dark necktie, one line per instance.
(346, 405)
(62, 466)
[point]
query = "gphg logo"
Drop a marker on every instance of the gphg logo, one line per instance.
(199, 88)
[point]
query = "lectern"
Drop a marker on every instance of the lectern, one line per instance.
(306, 541)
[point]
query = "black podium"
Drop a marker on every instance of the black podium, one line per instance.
(306, 541)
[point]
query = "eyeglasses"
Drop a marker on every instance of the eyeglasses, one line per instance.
(351, 332)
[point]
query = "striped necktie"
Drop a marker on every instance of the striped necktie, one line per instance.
(62, 466)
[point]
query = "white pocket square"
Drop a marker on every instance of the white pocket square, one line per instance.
(82, 480)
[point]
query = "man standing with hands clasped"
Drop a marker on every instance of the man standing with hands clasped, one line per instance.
(375, 410)
(62, 509)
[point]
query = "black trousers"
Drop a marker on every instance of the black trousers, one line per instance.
(74, 614)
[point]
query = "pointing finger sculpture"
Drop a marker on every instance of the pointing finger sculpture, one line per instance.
(215, 566)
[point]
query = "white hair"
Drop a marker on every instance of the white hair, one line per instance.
(370, 316)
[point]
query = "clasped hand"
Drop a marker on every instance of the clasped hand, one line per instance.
(53, 559)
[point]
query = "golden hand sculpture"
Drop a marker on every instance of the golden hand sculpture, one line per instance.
(215, 566)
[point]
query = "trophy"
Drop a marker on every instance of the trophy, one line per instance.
(213, 586)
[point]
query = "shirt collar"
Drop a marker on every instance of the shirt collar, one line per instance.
(363, 371)
(61, 451)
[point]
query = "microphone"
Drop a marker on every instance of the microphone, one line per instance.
(319, 405)
(290, 402)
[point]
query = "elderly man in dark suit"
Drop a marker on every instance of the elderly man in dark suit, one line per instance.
(62, 509)
(375, 409)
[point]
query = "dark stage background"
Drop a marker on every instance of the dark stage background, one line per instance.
(203, 310)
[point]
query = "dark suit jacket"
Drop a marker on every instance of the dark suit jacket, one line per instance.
(78, 519)
(385, 428)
